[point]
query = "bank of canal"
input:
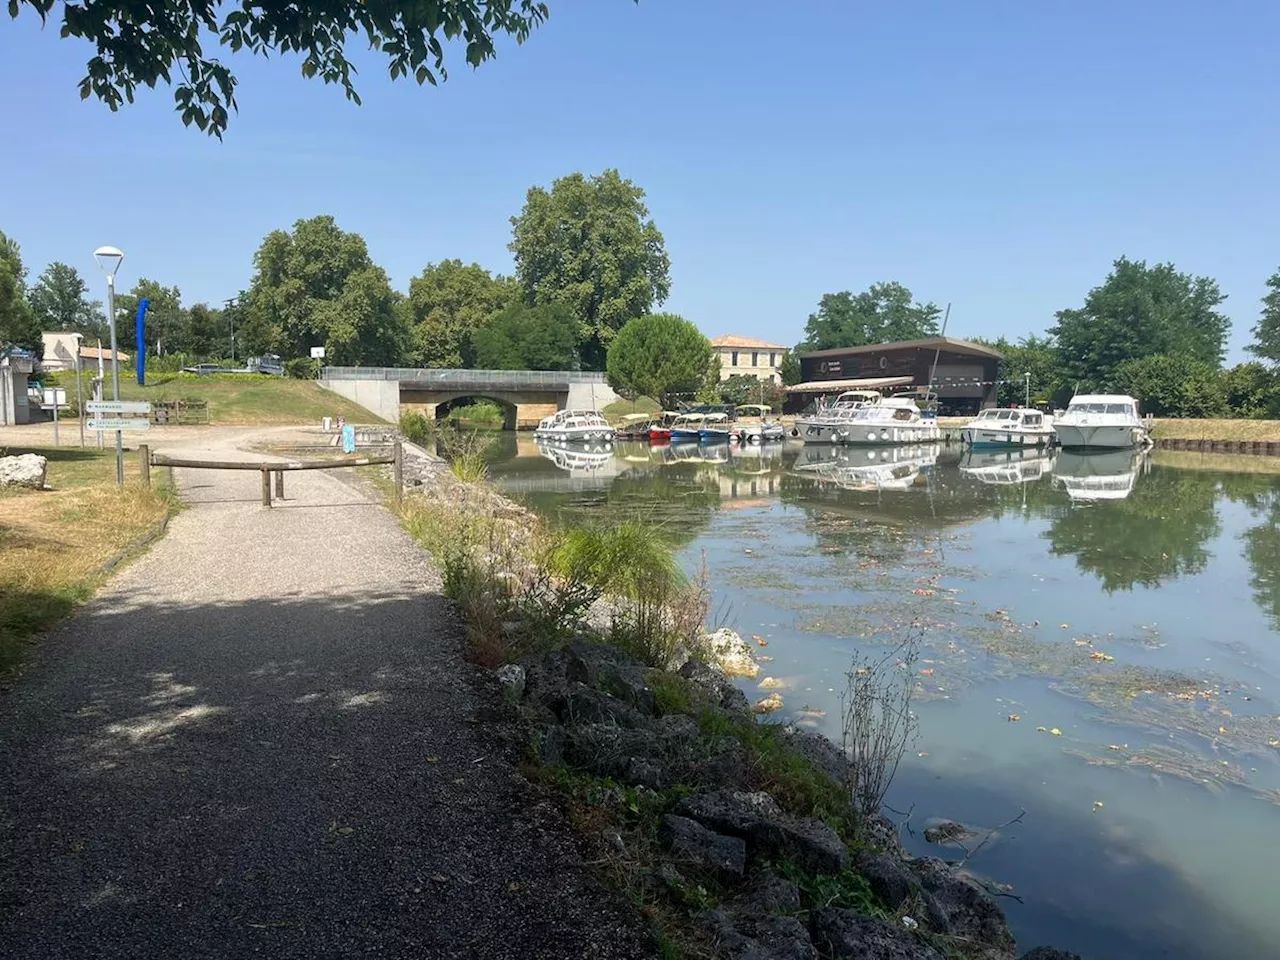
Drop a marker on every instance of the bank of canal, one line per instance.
(1102, 652)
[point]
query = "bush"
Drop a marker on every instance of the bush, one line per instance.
(302, 368)
(416, 428)
(467, 453)
(1174, 386)
(740, 389)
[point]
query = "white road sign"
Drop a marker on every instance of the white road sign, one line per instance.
(55, 397)
(119, 423)
(118, 406)
(317, 353)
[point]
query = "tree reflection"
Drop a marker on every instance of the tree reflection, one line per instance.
(1157, 533)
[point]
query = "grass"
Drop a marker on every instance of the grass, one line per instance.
(55, 543)
(1216, 462)
(1169, 429)
(244, 399)
(621, 408)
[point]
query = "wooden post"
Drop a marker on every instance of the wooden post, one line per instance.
(266, 487)
(397, 470)
(279, 484)
(144, 461)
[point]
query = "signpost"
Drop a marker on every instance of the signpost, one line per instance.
(57, 397)
(119, 406)
(119, 423)
(113, 416)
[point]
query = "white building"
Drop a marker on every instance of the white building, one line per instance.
(60, 351)
(14, 371)
(748, 357)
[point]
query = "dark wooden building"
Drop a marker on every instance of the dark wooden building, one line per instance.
(962, 374)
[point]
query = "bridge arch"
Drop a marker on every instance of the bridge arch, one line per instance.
(510, 411)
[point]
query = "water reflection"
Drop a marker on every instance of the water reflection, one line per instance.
(1045, 584)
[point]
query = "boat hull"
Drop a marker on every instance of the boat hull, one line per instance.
(878, 435)
(575, 434)
(714, 436)
(659, 435)
(1102, 437)
(679, 434)
(980, 438)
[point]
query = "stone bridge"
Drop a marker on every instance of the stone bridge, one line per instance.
(525, 396)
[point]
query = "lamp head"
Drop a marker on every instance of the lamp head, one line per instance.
(109, 259)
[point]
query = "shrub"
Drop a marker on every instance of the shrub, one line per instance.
(416, 428)
(302, 368)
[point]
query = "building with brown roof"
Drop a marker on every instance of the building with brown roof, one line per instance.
(748, 357)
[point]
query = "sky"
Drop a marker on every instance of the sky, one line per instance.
(995, 155)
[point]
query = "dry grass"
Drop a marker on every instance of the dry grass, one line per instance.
(1216, 462)
(1217, 429)
(55, 543)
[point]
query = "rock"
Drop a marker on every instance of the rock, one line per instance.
(771, 893)
(951, 833)
(693, 843)
(842, 933)
(728, 651)
(747, 937)
(24, 470)
(768, 704)
(605, 749)
(888, 877)
(819, 751)
(962, 908)
(551, 746)
(1049, 953)
(511, 678)
(768, 831)
(881, 833)
(581, 704)
(610, 671)
(772, 683)
(722, 692)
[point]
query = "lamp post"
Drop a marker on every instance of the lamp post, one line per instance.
(78, 338)
(109, 260)
(1027, 375)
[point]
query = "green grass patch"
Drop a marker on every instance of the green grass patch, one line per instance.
(1177, 429)
(621, 408)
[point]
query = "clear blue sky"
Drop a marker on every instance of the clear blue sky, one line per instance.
(997, 155)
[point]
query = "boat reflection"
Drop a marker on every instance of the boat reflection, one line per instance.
(1089, 477)
(578, 459)
(1002, 467)
(867, 468)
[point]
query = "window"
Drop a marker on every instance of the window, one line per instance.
(755, 358)
(773, 359)
(734, 361)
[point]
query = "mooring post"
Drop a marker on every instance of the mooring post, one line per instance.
(279, 484)
(144, 460)
(397, 469)
(266, 487)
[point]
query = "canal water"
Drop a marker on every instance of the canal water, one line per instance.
(1100, 660)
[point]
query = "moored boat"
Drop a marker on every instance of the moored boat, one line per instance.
(715, 428)
(893, 420)
(1098, 421)
(635, 426)
(755, 426)
(575, 426)
(687, 426)
(1001, 427)
(829, 422)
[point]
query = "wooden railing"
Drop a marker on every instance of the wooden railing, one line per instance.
(278, 468)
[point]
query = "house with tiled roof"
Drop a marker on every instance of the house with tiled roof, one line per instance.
(748, 357)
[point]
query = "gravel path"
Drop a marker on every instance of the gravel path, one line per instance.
(261, 740)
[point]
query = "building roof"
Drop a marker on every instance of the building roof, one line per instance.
(832, 386)
(91, 353)
(733, 340)
(953, 344)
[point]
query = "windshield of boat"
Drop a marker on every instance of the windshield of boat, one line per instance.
(1115, 408)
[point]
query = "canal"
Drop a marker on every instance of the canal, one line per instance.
(1100, 663)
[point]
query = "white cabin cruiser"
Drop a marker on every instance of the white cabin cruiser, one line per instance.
(575, 425)
(754, 426)
(893, 420)
(1100, 421)
(828, 421)
(1000, 427)
(1089, 477)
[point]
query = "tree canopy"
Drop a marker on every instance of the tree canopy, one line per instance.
(789, 368)
(1177, 386)
(1266, 332)
(317, 286)
(1139, 311)
(141, 44)
(1033, 355)
(883, 313)
(60, 301)
(528, 338)
(588, 244)
(447, 304)
(166, 321)
(661, 355)
(18, 325)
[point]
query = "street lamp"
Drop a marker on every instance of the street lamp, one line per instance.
(109, 260)
(1028, 378)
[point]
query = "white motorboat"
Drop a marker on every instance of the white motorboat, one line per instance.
(715, 428)
(575, 426)
(893, 420)
(1089, 477)
(829, 421)
(1097, 421)
(577, 458)
(886, 468)
(1010, 466)
(1000, 427)
(755, 426)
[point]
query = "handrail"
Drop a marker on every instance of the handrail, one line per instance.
(455, 376)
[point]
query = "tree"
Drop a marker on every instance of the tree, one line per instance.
(317, 286)
(18, 325)
(208, 334)
(1266, 332)
(588, 244)
(59, 299)
(1174, 386)
(884, 313)
(1033, 355)
(1253, 390)
(143, 44)
(740, 389)
(166, 321)
(528, 338)
(447, 303)
(660, 355)
(1140, 311)
(789, 368)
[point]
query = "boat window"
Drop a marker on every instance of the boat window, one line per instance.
(1005, 414)
(1031, 419)
(1117, 408)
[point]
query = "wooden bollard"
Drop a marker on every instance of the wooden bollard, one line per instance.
(144, 462)
(266, 487)
(397, 469)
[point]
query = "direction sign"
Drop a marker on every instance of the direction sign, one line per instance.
(119, 423)
(118, 406)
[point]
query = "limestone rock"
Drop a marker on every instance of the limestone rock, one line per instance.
(842, 933)
(888, 877)
(964, 908)
(771, 893)
(694, 843)
(24, 470)
(728, 651)
(511, 678)
(722, 691)
(768, 704)
(768, 831)
(747, 937)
